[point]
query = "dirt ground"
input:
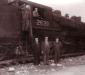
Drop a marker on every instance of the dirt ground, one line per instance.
(67, 66)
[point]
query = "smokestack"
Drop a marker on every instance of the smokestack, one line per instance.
(67, 16)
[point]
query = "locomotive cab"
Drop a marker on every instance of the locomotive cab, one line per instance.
(35, 21)
(33, 15)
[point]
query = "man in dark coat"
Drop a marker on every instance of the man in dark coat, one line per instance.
(57, 50)
(36, 51)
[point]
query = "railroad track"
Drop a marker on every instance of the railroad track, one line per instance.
(6, 63)
(25, 60)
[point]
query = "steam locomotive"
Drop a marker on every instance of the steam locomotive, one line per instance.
(21, 21)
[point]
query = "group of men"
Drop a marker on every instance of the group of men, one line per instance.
(44, 48)
(38, 48)
(41, 50)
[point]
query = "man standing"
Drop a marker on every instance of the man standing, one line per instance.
(45, 49)
(57, 50)
(36, 51)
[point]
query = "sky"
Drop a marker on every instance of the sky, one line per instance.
(71, 7)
